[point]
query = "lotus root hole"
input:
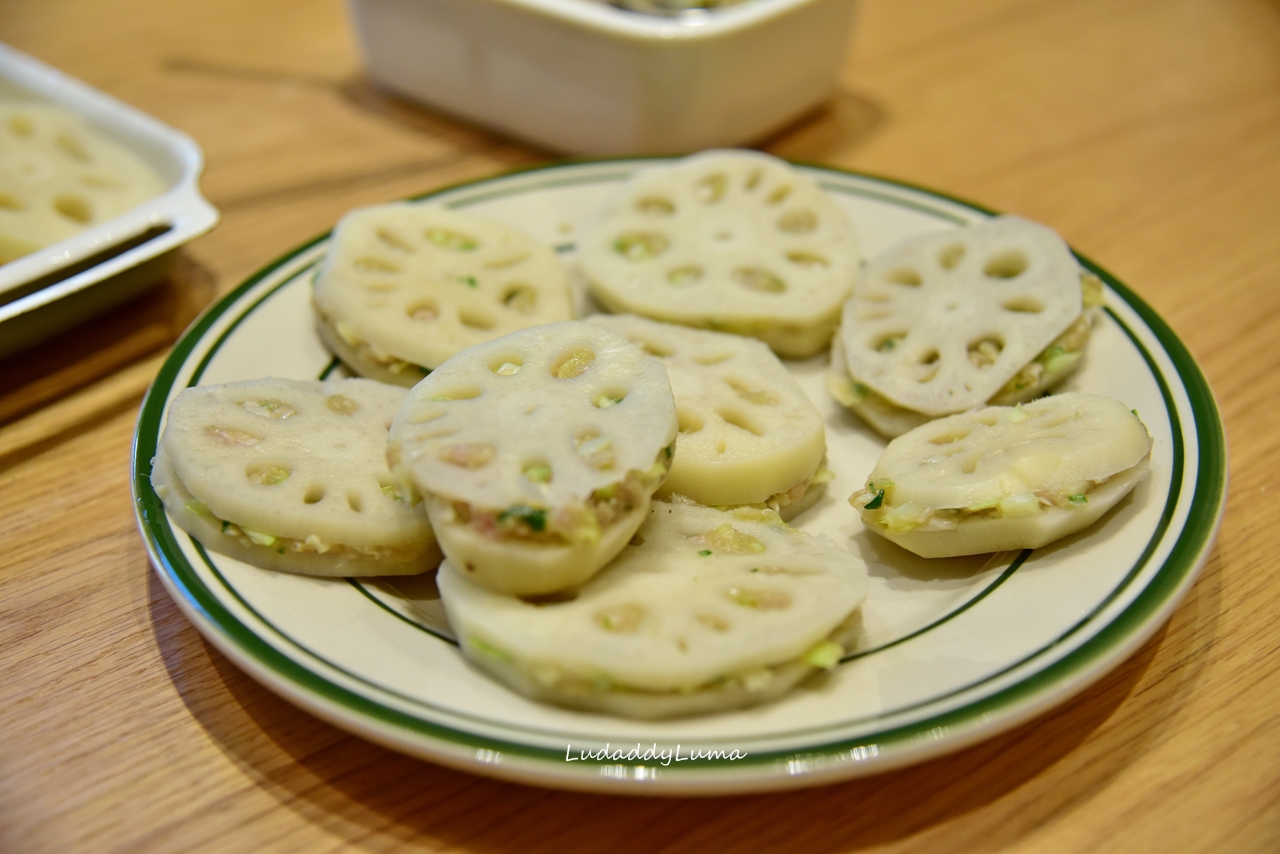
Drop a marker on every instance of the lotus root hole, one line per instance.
(21, 126)
(753, 180)
(341, 404)
(269, 408)
(573, 364)
(779, 195)
(73, 148)
(658, 350)
(623, 619)
(949, 437)
(1006, 265)
(468, 455)
(712, 358)
(538, 471)
(888, 341)
(930, 365)
(462, 392)
(641, 245)
(505, 261)
(1023, 305)
(740, 419)
(507, 364)
(380, 287)
(721, 446)
(609, 397)
(556, 597)
(355, 502)
(870, 316)
(454, 241)
(951, 256)
(423, 311)
(475, 319)
(374, 264)
(10, 203)
(393, 241)
(988, 420)
(656, 206)
(315, 494)
(750, 394)
(969, 463)
(759, 280)
(759, 598)
(99, 182)
(74, 208)
(267, 474)
(427, 415)
(798, 222)
(231, 436)
(521, 298)
(689, 422)
(712, 188)
(596, 450)
(984, 352)
(808, 260)
(904, 276)
(684, 276)
(714, 622)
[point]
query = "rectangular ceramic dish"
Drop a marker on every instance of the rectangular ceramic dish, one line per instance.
(60, 285)
(585, 77)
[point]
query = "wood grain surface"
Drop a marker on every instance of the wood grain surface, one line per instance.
(1147, 132)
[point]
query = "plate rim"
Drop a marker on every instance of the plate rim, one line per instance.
(913, 742)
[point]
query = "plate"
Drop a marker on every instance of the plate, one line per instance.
(952, 651)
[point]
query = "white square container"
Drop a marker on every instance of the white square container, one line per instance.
(57, 286)
(583, 77)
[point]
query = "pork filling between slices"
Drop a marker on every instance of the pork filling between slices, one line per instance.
(574, 523)
(367, 352)
(875, 503)
(311, 545)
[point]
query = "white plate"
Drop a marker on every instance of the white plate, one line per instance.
(954, 651)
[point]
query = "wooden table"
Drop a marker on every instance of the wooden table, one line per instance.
(1147, 132)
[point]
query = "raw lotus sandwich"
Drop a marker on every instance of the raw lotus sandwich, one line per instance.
(998, 313)
(1005, 477)
(292, 475)
(734, 241)
(749, 435)
(537, 453)
(405, 286)
(704, 611)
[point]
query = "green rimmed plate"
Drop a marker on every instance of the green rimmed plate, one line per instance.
(952, 651)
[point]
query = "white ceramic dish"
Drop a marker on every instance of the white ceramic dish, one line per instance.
(101, 266)
(585, 77)
(953, 651)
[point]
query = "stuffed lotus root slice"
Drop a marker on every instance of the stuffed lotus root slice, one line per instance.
(1046, 371)
(543, 469)
(672, 626)
(1005, 478)
(405, 286)
(942, 322)
(748, 433)
(291, 475)
(734, 241)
